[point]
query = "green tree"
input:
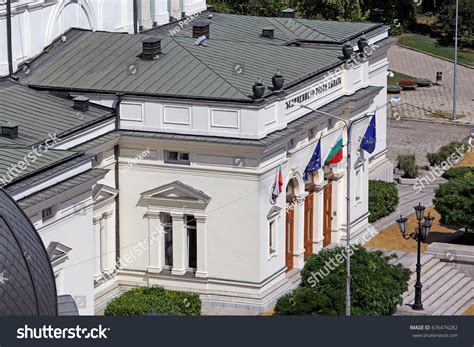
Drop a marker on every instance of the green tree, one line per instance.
(377, 285)
(454, 200)
(383, 199)
(345, 10)
(268, 8)
(447, 17)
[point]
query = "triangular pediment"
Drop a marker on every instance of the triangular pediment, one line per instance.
(103, 192)
(176, 192)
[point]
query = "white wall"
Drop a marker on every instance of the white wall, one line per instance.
(72, 226)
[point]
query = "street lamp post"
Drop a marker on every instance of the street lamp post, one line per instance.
(348, 126)
(420, 235)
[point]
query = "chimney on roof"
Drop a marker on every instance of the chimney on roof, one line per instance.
(81, 103)
(268, 33)
(151, 48)
(9, 130)
(201, 28)
(288, 13)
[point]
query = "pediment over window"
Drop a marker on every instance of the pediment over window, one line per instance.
(176, 194)
(58, 253)
(102, 192)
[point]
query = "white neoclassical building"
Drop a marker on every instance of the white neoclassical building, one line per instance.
(189, 161)
(36, 23)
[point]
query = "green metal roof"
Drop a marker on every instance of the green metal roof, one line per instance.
(19, 162)
(110, 62)
(234, 28)
(39, 114)
(91, 175)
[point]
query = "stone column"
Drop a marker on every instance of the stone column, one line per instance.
(201, 231)
(338, 206)
(160, 14)
(97, 254)
(155, 243)
(176, 10)
(109, 242)
(298, 249)
(179, 244)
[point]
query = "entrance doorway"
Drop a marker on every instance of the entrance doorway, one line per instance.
(308, 225)
(327, 217)
(290, 229)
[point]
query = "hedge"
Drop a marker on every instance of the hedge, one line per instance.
(455, 203)
(407, 163)
(445, 152)
(456, 172)
(376, 285)
(383, 199)
(154, 300)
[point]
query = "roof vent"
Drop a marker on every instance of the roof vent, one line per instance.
(288, 13)
(9, 130)
(81, 103)
(201, 29)
(268, 33)
(151, 48)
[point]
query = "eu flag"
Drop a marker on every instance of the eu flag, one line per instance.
(315, 162)
(370, 138)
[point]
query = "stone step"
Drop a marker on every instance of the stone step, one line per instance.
(428, 278)
(446, 291)
(460, 303)
(456, 294)
(435, 286)
(466, 307)
(426, 264)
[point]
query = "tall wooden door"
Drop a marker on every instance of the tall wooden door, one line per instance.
(290, 227)
(308, 225)
(327, 220)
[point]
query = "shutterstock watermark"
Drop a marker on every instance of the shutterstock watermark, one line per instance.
(16, 170)
(182, 23)
(438, 170)
(340, 257)
(48, 332)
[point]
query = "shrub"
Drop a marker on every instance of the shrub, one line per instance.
(454, 201)
(377, 286)
(456, 172)
(407, 163)
(148, 300)
(445, 152)
(383, 199)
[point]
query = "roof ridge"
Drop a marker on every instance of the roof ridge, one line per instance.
(298, 19)
(208, 67)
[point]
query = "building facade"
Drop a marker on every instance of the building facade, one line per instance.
(189, 162)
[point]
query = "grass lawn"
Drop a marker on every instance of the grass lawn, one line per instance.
(469, 312)
(397, 77)
(431, 45)
(468, 160)
(391, 238)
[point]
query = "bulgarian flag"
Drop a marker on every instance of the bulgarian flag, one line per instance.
(335, 155)
(278, 185)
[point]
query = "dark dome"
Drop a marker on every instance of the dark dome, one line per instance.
(27, 285)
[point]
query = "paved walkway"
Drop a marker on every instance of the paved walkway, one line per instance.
(435, 98)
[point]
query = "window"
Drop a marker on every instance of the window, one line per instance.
(272, 237)
(191, 227)
(168, 230)
(47, 213)
(358, 186)
(177, 157)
